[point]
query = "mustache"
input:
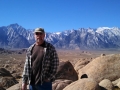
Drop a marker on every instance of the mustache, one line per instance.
(38, 40)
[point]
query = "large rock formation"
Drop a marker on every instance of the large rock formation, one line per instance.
(103, 67)
(6, 79)
(83, 84)
(66, 71)
(66, 74)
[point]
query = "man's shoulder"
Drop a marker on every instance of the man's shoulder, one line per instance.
(48, 44)
(30, 47)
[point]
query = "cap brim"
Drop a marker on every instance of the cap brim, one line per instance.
(39, 31)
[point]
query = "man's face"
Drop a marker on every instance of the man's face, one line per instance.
(39, 37)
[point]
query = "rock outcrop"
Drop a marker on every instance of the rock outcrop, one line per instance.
(83, 84)
(6, 79)
(103, 67)
(66, 74)
(66, 71)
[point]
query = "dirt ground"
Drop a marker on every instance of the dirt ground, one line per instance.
(75, 55)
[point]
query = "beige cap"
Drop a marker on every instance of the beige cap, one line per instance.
(39, 30)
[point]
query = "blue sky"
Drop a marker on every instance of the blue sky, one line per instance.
(60, 15)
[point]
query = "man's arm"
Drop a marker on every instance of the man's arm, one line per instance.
(25, 72)
(54, 64)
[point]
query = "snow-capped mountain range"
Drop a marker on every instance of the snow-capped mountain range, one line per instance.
(15, 36)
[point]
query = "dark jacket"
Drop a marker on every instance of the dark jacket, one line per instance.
(49, 64)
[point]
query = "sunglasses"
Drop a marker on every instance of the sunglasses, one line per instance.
(37, 33)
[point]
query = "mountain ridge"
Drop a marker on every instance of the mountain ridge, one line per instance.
(16, 36)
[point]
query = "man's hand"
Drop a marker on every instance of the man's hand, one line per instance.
(46, 80)
(24, 86)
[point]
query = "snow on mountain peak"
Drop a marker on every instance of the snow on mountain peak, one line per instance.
(57, 33)
(100, 29)
(103, 28)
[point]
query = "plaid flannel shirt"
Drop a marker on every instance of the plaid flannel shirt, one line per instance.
(49, 64)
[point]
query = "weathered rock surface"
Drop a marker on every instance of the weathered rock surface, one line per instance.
(118, 84)
(83, 84)
(115, 82)
(80, 64)
(60, 84)
(4, 72)
(6, 79)
(106, 84)
(66, 71)
(103, 67)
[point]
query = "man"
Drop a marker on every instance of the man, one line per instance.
(41, 63)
